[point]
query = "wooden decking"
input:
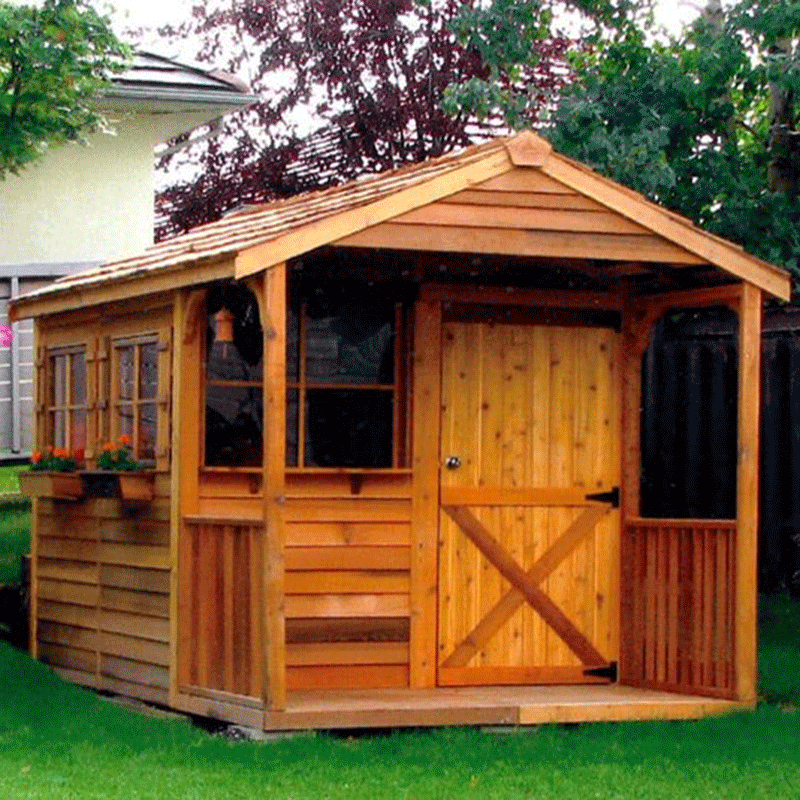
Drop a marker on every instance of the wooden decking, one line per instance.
(494, 705)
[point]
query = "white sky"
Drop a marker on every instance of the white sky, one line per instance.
(152, 13)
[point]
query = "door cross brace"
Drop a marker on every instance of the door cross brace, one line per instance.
(525, 585)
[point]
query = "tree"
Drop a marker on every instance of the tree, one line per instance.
(54, 59)
(374, 72)
(704, 123)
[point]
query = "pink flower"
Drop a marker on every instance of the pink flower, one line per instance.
(6, 335)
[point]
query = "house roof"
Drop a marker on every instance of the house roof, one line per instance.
(446, 204)
(159, 84)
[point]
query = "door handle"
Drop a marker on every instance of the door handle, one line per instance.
(452, 462)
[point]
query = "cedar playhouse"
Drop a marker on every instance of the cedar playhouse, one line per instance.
(394, 434)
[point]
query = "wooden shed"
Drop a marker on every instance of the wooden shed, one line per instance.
(394, 434)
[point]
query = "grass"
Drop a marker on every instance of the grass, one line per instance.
(59, 741)
(8, 479)
(14, 537)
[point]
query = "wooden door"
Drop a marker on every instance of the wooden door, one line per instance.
(528, 566)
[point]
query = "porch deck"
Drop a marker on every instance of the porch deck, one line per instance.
(490, 705)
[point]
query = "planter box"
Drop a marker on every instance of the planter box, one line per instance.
(121, 485)
(58, 485)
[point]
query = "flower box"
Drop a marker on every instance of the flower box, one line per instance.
(122, 484)
(57, 485)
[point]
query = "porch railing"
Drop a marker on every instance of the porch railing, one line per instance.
(678, 605)
(220, 606)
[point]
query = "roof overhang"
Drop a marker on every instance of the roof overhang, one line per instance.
(165, 100)
(357, 213)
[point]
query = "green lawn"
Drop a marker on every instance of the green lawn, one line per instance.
(8, 479)
(58, 741)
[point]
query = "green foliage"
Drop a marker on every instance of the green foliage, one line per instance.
(14, 538)
(54, 460)
(118, 456)
(53, 60)
(689, 122)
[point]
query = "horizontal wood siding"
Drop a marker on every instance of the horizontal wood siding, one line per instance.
(347, 581)
(679, 590)
(103, 593)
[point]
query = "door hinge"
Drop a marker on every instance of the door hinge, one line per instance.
(611, 497)
(609, 671)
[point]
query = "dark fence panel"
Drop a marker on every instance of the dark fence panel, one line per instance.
(689, 430)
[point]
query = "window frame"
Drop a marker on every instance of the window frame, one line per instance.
(116, 402)
(398, 390)
(69, 407)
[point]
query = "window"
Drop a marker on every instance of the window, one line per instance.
(345, 378)
(234, 384)
(134, 393)
(66, 397)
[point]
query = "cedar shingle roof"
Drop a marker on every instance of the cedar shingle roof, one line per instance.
(258, 226)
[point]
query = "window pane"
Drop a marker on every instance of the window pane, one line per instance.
(148, 371)
(78, 365)
(348, 428)
(354, 346)
(59, 428)
(146, 446)
(125, 419)
(78, 430)
(58, 376)
(127, 378)
(225, 363)
(233, 426)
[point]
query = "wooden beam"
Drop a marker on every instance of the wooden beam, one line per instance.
(529, 150)
(166, 280)
(426, 423)
(497, 555)
(746, 590)
(546, 496)
(503, 610)
(273, 483)
(344, 223)
(530, 219)
(500, 241)
(706, 247)
(544, 298)
(178, 326)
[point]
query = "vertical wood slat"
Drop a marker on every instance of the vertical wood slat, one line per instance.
(681, 590)
(220, 586)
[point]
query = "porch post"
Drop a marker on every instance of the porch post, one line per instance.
(746, 591)
(273, 489)
(425, 493)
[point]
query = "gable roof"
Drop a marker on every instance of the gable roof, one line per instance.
(159, 84)
(363, 213)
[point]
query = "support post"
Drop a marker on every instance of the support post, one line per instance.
(426, 417)
(274, 489)
(637, 321)
(175, 521)
(749, 402)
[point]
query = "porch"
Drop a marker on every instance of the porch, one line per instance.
(484, 705)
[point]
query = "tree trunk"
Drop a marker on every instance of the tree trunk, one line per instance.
(784, 161)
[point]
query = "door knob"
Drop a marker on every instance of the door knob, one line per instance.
(452, 462)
